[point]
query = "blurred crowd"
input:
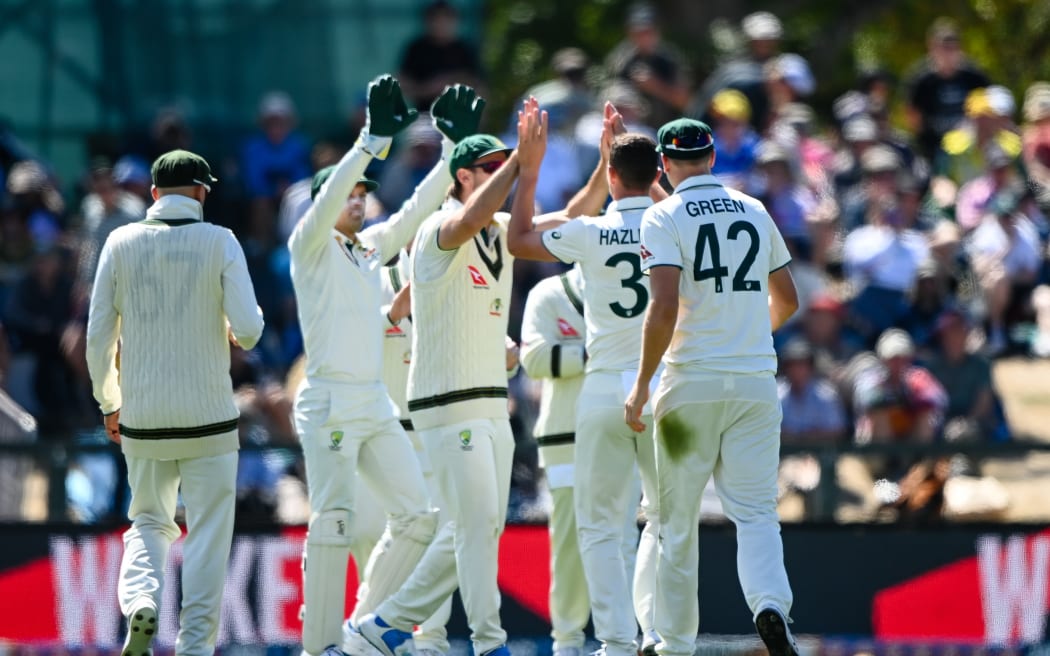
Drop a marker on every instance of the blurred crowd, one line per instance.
(915, 208)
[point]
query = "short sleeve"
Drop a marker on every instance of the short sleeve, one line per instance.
(660, 245)
(779, 256)
(567, 242)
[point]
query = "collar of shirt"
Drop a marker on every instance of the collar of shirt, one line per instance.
(698, 181)
(630, 203)
(175, 207)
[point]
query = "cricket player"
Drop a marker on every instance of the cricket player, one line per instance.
(461, 277)
(343, 414)
(615, 296)
(174, 291)
(720, 285)
(431, 637)
(552, 350)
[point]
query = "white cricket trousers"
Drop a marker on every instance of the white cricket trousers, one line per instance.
(472, 462)
(570, 604)
(209, 493)
(729, 426)
(348, 432)
(607, 451)
(366, 528)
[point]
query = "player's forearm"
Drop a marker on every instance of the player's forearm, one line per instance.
(480, 207)
(315, 226)
(521, 239)
(400, 228)
(780, 311)
(657, 331)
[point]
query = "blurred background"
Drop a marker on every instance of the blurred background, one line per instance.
(902, 147)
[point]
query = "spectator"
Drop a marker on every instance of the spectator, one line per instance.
(927, 300)
(131, 173)
(1035, 137)
(169, 131)
(40, 307)
(275, 157)
(788, 80)
(1000, 173)
(746, 73)
(788, 202)
(651, 65)
(1007, 255)
(832, 344)
(37, 202)
(897, 400)
(417, 153)
(859, 133)
(813, 412)
(937, 86)
(104, 210)
(963, 149)
(438, 57)
(567, 97)
(967, 379)
(737, 142)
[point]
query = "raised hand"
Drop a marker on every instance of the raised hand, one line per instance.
(388, 113)
(612, 125)
(456, 113)
(532, 136)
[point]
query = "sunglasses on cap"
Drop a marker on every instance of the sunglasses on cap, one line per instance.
(489, 167)
(691, 141)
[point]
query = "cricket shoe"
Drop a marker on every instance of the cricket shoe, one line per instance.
(428, 651)
(497, 651)
(142, 626)
(774, 631)
(649, 642)
(568, 651)
(387, 640)
(354, 644)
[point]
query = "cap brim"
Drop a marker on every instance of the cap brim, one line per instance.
(370, 185)
(508, 151)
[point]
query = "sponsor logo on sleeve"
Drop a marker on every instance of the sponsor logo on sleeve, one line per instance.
(646, 253)
(566, 328)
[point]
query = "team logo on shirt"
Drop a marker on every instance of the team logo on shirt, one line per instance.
(496, 308)
(566, 328)
(465, 437)
(476, 277)
(555, 234)
(337, 441)
(646, 253)
(406, 357)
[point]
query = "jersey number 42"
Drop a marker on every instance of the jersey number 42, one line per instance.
(707, 241)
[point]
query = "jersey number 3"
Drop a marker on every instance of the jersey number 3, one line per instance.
(707, 241)
(631, 282)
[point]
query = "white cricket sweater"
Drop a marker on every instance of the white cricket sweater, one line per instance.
(552, 349)
(165, 288)
(460, 300)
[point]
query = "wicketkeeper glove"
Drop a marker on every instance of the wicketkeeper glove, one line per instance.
(457, 112)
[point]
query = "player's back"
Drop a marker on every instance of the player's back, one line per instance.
(727, 245)
(168, 290)
(615, 291)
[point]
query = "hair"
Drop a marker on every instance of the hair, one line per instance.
(633, 156)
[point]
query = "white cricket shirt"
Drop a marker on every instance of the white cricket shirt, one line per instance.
(615, 292)
(726, 245)
(337, 280)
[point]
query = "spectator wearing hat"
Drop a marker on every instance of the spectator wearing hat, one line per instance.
(787, 201)
(438, 57)
(813, 411)
(858, 134)
(745, 73)
(1035, 138)
(881, 258)
(131, 173)
(651, 65)
(410, 163)
(788, 79)
(1001, 172)
(37, 202)
(898, 400)
(737, 142)
(104, 210)
(1006, 253)
(966, 377)
(833, 344)
(277, 156)
(962, 153)
(880, 169)
(927, 299)
(937, 86)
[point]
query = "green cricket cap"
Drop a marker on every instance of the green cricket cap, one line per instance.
(685, 138)
(181, 168)
(326, 172)
(473, 148)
